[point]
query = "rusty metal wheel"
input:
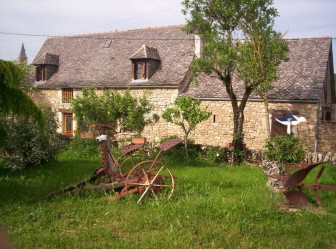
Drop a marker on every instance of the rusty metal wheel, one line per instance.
(150, 178)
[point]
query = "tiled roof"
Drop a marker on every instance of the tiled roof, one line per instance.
(86, 60)
(299, 78)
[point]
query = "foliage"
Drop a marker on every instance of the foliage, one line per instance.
(284, 149)
(13, 101)
(82, 148)
(222, 25)
(112, 108)
(27, 145)
(177, 153)
(215, 154)
(187, 114)
(236, 209)
(198, 154)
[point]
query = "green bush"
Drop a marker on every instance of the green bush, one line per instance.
(177, 153)
(29, 145)
(82, 148)
(284, 149)
(215, 154)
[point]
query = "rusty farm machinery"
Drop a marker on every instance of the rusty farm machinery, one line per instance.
(146, 177)
(294, 184)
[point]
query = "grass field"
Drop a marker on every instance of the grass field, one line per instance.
(214, 206)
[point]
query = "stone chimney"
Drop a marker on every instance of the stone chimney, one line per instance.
(22, 59)
(198, 46)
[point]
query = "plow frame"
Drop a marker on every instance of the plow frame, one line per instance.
(294, 186)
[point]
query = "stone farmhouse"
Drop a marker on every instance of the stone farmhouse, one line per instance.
(156, 62)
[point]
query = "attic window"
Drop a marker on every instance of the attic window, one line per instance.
(145, 62)
(107, 43)
(140, 69)
(41, 72)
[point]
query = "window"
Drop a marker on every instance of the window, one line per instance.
(140, 70)
(326, 113)
(67, 95)
(67, 123)
(214, 118)
(41, 72)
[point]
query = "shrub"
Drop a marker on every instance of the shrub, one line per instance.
(82, 148)
(177, 153)
(284, 149)
(215, 154)
(28, 145)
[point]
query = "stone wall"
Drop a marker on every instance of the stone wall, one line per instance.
(160, 98)
(217, 130)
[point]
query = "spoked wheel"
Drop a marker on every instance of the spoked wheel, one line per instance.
(149, 178)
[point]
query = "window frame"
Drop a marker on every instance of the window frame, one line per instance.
(41, 73)
(140, 73)
(67, 95)
(67, 115)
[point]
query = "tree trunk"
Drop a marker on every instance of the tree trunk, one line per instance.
(186, 149)
(238, 135)
(238, 112)
(268, 128)
(238, 125)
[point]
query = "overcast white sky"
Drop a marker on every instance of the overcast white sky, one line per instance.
(298, 18)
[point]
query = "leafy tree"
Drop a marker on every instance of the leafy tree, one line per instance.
(222, 25)
(27, 145)
(187, 114)
(13, 101)
(112, 108)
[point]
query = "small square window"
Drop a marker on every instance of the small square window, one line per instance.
(67, 95)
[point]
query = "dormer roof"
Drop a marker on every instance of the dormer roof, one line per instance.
(146, 52)
(46, 59)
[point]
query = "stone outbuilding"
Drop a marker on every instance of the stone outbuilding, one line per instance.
(156, 62)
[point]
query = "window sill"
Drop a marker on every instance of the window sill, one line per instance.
(139, 81)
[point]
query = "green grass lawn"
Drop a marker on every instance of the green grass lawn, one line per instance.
(213, 207)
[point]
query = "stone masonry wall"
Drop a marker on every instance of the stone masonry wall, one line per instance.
(217, 130)
(160, 98)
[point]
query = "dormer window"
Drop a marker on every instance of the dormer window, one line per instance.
(41, 72)
(46, 65)
(145, 62)
(140, 70)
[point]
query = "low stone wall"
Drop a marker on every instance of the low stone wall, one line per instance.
(256, 157)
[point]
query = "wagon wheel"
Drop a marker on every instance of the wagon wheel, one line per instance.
(126, 162)
(149, 178)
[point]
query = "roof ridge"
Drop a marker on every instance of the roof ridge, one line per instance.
(308, 38)
(118, 31)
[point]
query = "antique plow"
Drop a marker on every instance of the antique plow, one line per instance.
(148, 177)
(293, 184)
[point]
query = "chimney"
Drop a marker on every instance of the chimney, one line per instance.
(22, 59)
(198, 46)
